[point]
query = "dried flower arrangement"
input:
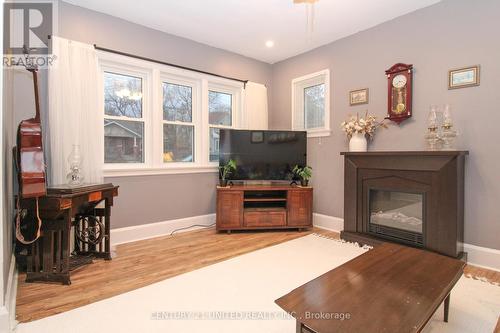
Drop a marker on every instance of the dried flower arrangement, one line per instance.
(366, 125)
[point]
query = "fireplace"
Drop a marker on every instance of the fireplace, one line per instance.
(397, 216)
(413, 198)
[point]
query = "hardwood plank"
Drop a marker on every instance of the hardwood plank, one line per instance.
(497, 329)
(140, 264)
(145, 262)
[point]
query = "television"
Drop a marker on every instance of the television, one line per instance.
(263, 155)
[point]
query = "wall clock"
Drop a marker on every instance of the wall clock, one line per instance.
(399, 84)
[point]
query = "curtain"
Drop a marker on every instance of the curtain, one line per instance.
(255, 106)
(74, 115)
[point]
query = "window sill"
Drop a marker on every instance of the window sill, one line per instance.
(158, 171)
(318, 133)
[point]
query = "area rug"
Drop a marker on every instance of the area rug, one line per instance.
(238, 295)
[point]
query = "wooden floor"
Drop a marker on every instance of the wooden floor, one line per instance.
(140, 264)
(145, 262)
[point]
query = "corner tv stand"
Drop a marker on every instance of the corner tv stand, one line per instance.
(253, 207)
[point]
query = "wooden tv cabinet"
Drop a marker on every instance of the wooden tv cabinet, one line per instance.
(251, 207)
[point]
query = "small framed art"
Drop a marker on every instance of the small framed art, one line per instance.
(359, 96)
(463, 77)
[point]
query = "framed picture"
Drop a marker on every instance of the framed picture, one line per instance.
(257, 137)
(359, 96)
(463, 77)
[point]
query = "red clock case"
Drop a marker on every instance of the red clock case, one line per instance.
(407, 71)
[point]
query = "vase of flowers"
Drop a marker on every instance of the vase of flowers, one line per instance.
(358, 142)
(358, 130)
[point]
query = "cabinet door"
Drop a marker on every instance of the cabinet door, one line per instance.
(229, 209)
(299, 205)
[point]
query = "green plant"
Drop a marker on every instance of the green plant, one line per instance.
(227, 169)
(304, 173)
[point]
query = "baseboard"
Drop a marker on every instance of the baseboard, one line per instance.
(328, 222)
(483, 257)
(8, 310)
(476, 255)
(151, 230)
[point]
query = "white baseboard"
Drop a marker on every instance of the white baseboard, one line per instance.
(8, 310)
(151, 230)
(328, 222)
(483, 257)
(476, 255)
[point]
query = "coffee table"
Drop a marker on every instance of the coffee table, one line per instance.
(391, 288)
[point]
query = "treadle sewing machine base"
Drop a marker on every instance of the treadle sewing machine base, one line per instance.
(49, 258)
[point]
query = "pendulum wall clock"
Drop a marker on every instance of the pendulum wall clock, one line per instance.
(399, 85)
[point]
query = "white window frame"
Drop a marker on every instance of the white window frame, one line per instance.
(145, 75)
(153, 75)
(298, 86)
(236, 114)
(195, 118)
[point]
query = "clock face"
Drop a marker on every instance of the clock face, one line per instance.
(399, 81)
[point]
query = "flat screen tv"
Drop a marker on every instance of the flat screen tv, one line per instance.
(263, 155)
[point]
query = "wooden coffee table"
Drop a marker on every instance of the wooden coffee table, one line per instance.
(391, 288)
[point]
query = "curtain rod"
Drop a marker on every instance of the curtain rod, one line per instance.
(169, 64)
(166, 63)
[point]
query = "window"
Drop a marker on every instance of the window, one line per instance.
(178, 126)
(160, 119)
(310, 104)
(220, 115)
(314, 106)
(123, 119)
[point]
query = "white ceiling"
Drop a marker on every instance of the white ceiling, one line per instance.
(243, 26)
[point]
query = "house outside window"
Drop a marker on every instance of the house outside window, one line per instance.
(123, 119)
(160, 119)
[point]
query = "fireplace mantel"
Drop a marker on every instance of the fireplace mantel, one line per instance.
(436, 178)
(406, 153)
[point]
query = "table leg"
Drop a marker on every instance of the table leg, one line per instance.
(66, 250)
(107, 227)
(446, 308)
(299, 327)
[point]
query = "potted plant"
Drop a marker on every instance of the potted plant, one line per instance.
(304, 173)
(225, 170)
(359, 129)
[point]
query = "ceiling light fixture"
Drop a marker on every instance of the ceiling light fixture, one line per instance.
(309, 14)
(270, 43)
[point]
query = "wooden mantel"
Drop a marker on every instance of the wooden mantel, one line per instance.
(407, 153)
(436, 175)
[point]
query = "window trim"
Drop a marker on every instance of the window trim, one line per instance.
(195, 119)
(153, 144)
(236, 110)
(145, 76)
(319, 77)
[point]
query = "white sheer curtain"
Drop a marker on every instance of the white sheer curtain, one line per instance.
(255, 113)
(74, 115)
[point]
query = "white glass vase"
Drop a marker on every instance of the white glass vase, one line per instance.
(358, 142)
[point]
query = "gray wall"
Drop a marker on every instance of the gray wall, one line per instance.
(6, 174)
(148, 199)
(453, 33)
